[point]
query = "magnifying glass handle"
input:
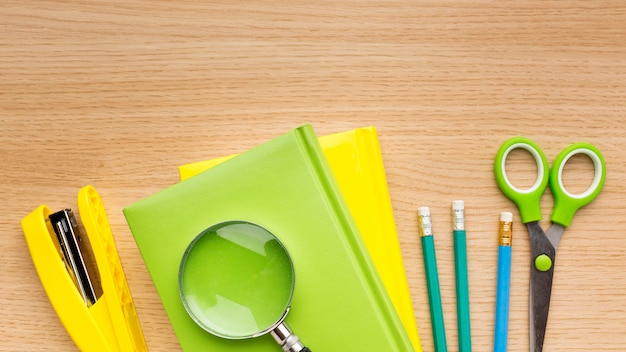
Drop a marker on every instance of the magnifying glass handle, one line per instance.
(287, 339)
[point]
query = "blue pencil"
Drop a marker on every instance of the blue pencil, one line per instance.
(504, 282)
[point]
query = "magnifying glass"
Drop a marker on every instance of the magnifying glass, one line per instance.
(236, 281)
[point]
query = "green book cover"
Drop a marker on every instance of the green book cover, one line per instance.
(286, 186)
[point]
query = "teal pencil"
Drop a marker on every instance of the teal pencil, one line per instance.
(462, 284)
(432, 280)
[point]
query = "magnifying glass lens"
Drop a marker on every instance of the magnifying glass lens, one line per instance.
(236, 280)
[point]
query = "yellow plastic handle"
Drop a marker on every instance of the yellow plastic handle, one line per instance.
(122, 313)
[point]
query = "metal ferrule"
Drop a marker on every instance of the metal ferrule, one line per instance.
(458, 219)
(506, 233)
(287, 340)
(425, 225)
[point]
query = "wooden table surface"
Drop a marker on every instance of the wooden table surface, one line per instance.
(117, 94)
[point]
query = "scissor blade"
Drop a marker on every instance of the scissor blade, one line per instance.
(540, 285)
(540, 291)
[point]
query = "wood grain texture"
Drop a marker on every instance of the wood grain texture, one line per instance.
(117, 94)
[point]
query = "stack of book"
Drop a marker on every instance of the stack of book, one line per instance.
(327, 201)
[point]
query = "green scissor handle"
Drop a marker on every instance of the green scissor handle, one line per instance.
(565, 203)
(527, 200)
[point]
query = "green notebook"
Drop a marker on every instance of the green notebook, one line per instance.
(286, 186)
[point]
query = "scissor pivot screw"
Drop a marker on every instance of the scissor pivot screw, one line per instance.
(543, 262)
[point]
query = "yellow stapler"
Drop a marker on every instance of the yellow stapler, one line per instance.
(94, 305)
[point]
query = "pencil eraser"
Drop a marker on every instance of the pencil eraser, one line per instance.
(458, 205)
(506, 216)
(423, 211)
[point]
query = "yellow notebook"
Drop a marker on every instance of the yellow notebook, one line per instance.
(355, 159)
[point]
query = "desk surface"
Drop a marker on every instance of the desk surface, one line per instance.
(117, 94)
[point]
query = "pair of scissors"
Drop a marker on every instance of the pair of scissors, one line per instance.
(544, 244)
